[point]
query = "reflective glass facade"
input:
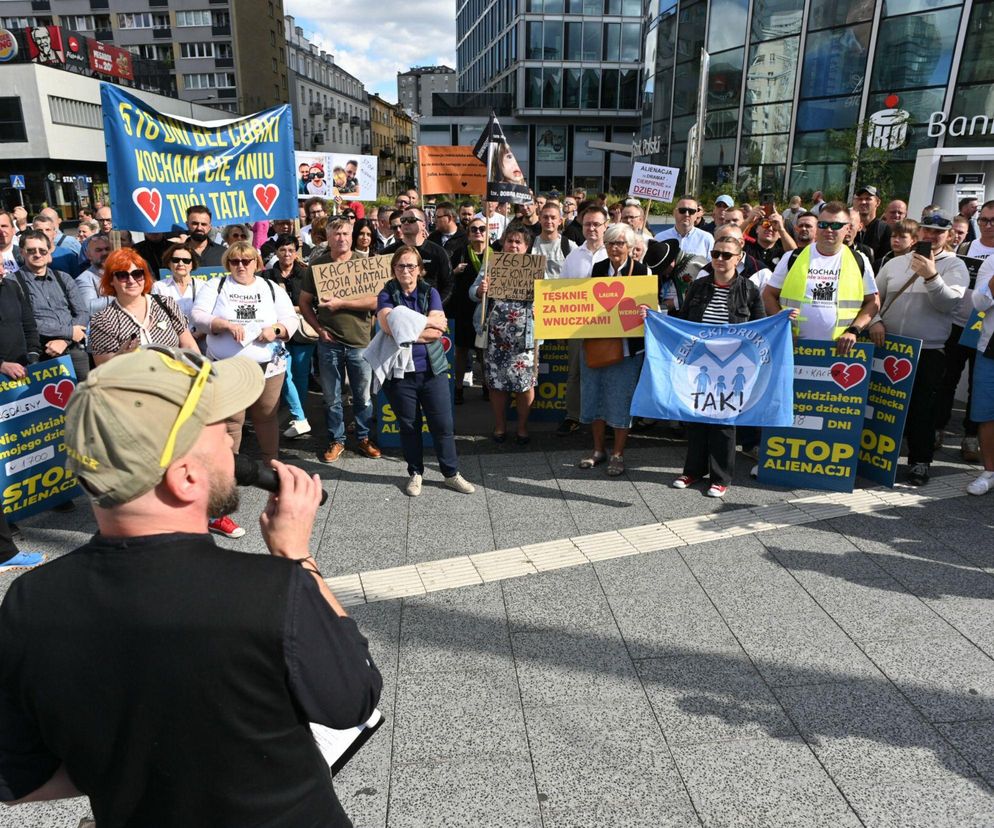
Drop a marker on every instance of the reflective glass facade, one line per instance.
(791, 84)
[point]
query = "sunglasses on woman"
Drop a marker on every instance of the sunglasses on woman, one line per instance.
(178, 260)
(125, 275)
(478, 229)
(241, 262)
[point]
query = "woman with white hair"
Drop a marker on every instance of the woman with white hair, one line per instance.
(610, 368)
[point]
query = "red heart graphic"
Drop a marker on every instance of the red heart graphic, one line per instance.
(266, 195)
(609, 294)
(57, 393)
(897, 369)
(846, 376)
(629, 313)
(149, 202)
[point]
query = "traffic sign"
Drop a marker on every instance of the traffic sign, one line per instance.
(17, 182)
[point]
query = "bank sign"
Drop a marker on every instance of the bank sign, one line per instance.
(888, 128)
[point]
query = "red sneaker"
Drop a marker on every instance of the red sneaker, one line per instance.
(717, 490)
(225, 526)
(684, 481)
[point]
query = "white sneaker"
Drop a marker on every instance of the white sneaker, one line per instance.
(982, 485)
(413, 487)
(297, 428)
(460, 484)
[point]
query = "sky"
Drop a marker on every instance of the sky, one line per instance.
(374, 41)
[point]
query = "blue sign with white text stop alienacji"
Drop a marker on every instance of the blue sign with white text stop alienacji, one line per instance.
(159, 165)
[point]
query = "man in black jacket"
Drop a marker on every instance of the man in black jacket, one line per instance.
(438, 268)
(875, 233)
(19, 348)
(195, 669)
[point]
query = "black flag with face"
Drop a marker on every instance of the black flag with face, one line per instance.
(505, 181)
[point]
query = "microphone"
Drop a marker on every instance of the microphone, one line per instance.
(255, 473)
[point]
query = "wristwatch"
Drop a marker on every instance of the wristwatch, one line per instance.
(854, 330)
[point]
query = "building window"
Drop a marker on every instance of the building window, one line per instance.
(196, 17)
(153, 51)
(220, 19)
(86, 22)
(209, 80)
(143, 20)
(205, 50)
(12, 120)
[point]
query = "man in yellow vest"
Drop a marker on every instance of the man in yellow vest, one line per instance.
(830, 290)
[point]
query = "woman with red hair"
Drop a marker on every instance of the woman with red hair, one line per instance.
(135, 316)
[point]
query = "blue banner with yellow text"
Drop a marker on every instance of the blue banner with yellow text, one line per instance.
(820, 450)
(158, 165)
(33, 473)
(738, 374)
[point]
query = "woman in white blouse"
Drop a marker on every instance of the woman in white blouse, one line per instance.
(246, 315)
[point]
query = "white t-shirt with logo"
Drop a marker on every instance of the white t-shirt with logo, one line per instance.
(254, 306)
(822, 291)
(978, 250)
(10, 264)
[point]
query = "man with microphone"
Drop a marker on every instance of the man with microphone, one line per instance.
(169, 680)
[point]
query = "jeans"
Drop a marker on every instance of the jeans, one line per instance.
(298, 368)
(335, 361)
(414, 392)
(919, 428)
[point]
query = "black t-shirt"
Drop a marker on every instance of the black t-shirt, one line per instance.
(175, 680)
(438, 268)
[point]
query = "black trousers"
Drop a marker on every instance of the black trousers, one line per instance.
(919, 427)
(7, 546)
(958, 357)
(710, 448)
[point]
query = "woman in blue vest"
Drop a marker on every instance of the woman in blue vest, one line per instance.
(426, 388)
(720, 298)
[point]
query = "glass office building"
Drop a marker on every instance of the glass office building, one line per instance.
(567, 73)
(792, 84)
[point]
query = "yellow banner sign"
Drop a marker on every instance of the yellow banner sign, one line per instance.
(513, 276)
(593, 308)
(354, 279)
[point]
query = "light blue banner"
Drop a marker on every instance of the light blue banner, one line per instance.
(33, 473)
(159, 165)
(718, 374)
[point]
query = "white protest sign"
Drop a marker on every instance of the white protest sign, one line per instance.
(653, 182)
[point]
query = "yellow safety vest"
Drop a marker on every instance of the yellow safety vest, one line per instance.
(848, 296)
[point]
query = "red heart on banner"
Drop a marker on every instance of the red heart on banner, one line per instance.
(149, 202)
(609, 294)
(266, 195)
(629, 313)
(897, 369)
(58, 393)
(846, 376)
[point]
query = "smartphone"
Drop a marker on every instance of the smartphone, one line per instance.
(768, 200)
(924, 248)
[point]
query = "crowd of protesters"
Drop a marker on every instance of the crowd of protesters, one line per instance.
(844, 271)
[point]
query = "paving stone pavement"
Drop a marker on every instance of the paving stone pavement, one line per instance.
(564, 649)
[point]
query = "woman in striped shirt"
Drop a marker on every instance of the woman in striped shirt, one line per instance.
(721, 298)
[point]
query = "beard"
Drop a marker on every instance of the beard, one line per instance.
(222, 499)
(198, 237)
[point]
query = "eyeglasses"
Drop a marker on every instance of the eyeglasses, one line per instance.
(617, 243)
(400, 266)
(987, 222)
(124, 275)
(177, 260)
(592, 225)
(724, 255)
(687, 211)
(478, 229)
(832, 225)
(193, 365)
(410, 220)
(241, 262)
(36, 251)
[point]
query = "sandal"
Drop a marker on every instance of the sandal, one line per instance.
(616, 465)
(595, 459)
